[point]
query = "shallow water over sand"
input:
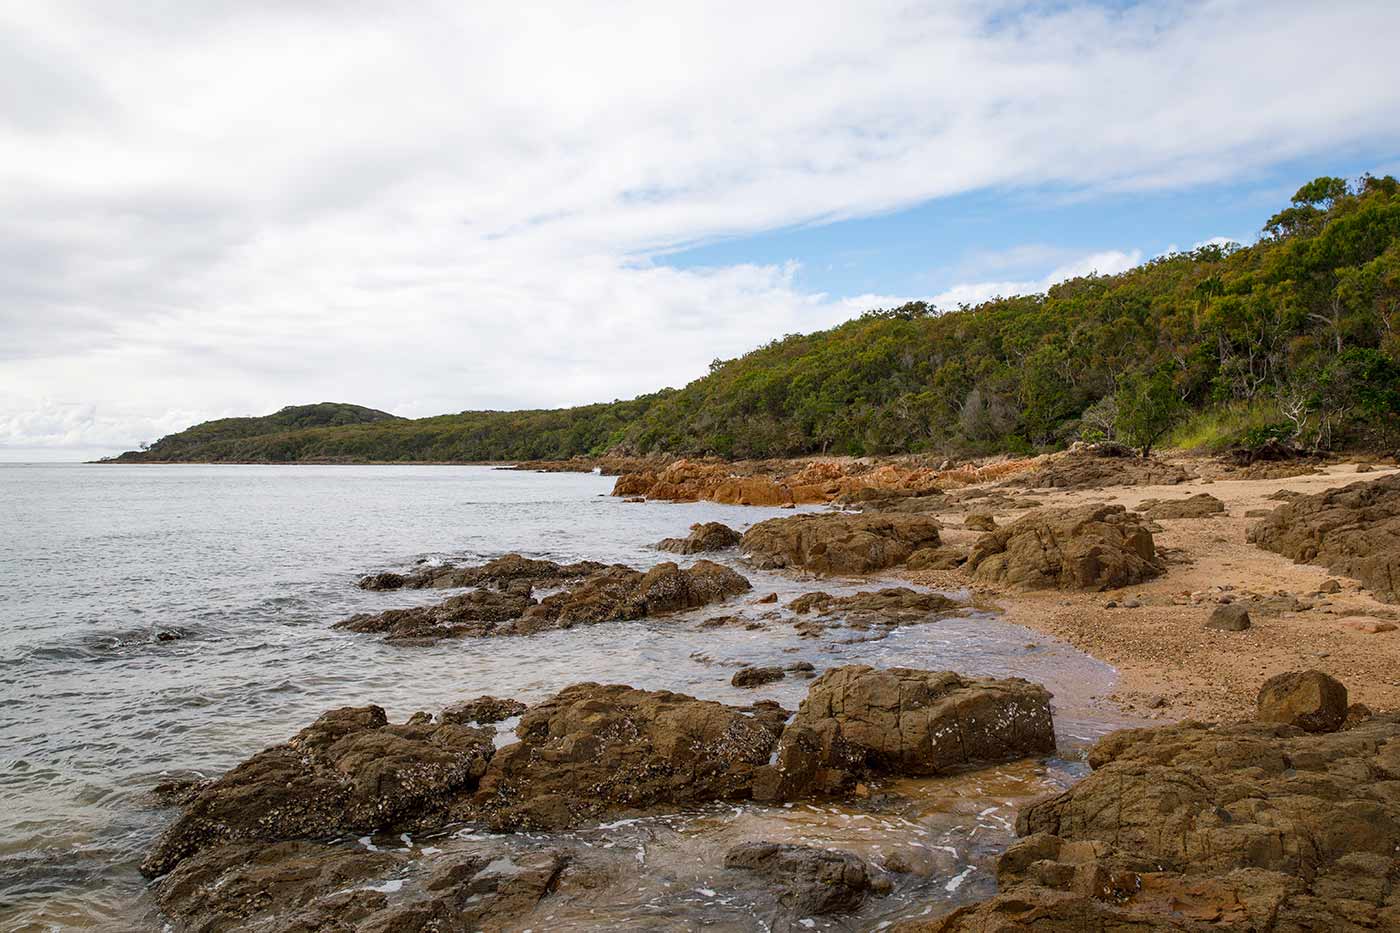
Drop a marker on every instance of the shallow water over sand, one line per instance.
(250, 565)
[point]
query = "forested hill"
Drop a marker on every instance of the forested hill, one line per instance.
(1295, 337)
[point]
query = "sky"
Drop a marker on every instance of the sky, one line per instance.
(221, 208)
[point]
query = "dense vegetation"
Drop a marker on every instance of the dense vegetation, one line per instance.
(1296, 337)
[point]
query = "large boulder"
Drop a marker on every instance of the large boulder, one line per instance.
(839, 542)
(592, 750)
(1354, 530)
(1091, 547)
(350, 771)
(1310, 700)
(704, 536)
(810, 881)
(1249, 826)
(861, 722)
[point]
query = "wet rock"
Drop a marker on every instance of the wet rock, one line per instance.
(757, 676)
(289, 886)
(936, 558)
(1088, 471)
(768, 598)
(1091, 547)
(615, 593)
(495, 573)
(592, 750)
(1201, 505)
(809, 881)
(890, 606)
(1310, 700)
(1354, 530)
(980, 521)
(1231, 617)
(706, 536)
(858, 722)
(838, 543)
(477, 614)
(1247, 826)
(350, 771)
(483, 710)
(177, 792)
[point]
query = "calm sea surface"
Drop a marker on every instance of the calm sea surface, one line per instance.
(250, 566)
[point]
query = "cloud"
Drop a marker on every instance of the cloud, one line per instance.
(1109, 262)
(223, 208)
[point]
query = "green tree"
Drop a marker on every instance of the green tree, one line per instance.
(1148, 407)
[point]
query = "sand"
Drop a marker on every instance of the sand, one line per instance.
(1169, 666)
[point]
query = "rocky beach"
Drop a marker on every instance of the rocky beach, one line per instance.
(1247, 608)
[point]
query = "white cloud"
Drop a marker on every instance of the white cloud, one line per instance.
(1109, 262)
(224, 208)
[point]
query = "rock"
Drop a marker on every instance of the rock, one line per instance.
(1330, 586)
(483, 710)
(706, 536)
(858, 722)
(810, 881)
(767, 598)
(1132, 604)
(1271, 451)
(615, 593)
(474, 615)
(1357, 713)
(1354, 530)
(1247, 826)
(1087, 471)
(890, 606)
(1231, 617)
(1091, 547)
(1156, 701)
(593, 750)
(1368, 626)
(838, 543)
(1365, 468)
(936, 558)
(757, 676)
(980, 521)
(495, 573)
(350, 771)
(1201, 505)
(1257, 513)
(1310, 700)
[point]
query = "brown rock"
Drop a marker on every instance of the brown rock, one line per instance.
(936, 558)
(890, 606)
(1368, 626)
(1201, 505)
(350, 771)
(858, 721)
(1092, 547)
(1231, 617)
(838, 543)
(756, 676)
(1354, 530)
(498, 573)
(1089, 471)
(592, 750)
(1310, 700)
(810, 881)
(980, 521)
(706, 536)
(484, 710)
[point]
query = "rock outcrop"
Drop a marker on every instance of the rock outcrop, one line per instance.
(1201, 505)
(1088, 470)
(483, 710)
(1247, 826)
(859, 722)
(499, 573)
(1354, 530)
(897, 605)
(615, 593)
(592, 750)
(704, 536)
(838, 543)
(350, 771)
(810, 881)
(1091, 547)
